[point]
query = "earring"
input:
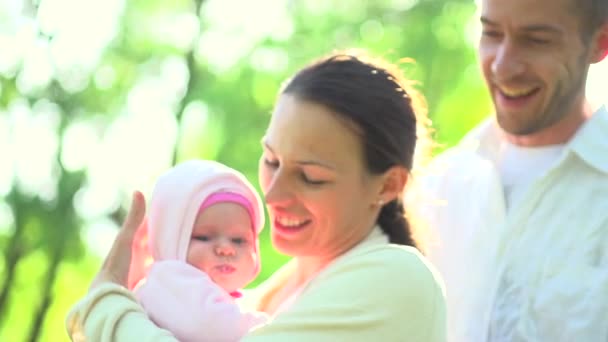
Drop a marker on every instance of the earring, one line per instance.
(380, 202)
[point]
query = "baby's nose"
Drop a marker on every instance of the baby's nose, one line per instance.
(224, 249)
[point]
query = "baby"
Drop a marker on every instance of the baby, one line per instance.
(197, 248)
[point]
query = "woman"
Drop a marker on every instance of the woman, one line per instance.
(337, 156)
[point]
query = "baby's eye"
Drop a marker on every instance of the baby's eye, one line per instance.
(203, 238)
(239, 241)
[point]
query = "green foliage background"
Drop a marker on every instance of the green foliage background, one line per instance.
(191, 79)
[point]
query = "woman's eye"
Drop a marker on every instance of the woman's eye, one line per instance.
(310, 181)
(203, 238)
(272, 163)
(491, 34)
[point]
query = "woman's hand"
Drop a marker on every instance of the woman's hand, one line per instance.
(115, 267)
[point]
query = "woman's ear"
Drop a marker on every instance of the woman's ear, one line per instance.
(600, 47)
(393, 183)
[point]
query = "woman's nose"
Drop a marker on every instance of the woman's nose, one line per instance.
(278, 191)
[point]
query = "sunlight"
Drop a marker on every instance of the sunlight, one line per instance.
(7, 219)
(37, 69)
(80, 145)
(99, 236)
(14, 42)
(269, 60)
(7, 151)
(179, 30)
(34, 133)
(97, 198)
(403, 5)
(232, 34)
(173, 79)
(138, 145)
(596, 83)
(194, 121)
(81, 30)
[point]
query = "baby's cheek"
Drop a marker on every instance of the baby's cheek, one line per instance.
(251, 257)
(191, 255)
(197, 256)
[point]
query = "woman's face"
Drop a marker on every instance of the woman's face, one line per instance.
(320, 196)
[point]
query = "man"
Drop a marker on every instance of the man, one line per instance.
(519, 209)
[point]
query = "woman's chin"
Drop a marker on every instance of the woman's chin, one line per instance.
(286, 246)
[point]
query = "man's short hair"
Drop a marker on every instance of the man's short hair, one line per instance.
(594, 14)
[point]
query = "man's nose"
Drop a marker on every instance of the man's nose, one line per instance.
(508, 62)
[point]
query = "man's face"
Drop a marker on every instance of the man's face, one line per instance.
(534, 60)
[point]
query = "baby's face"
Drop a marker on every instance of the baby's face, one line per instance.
(223, 245)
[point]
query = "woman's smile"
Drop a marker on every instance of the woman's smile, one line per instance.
(289, 226)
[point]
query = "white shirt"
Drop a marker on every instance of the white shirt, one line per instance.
(537, 272)
(520, 166)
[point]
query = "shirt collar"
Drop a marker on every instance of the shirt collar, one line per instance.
(590, 143)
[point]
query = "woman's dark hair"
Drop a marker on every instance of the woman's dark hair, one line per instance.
(372, 95)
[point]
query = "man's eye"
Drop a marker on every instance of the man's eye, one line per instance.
(538, 41)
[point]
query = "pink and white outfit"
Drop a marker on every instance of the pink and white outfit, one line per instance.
(177, 296)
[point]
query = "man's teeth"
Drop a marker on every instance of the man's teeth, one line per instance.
(289, 222)
(510, 92)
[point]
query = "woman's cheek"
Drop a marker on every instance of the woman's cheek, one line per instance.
(264, 176)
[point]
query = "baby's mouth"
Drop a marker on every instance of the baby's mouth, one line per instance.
(225, 269)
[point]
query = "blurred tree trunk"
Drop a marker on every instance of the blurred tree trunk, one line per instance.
(47, 292)
(14, 251)
(192, 78)
(63, 221)
(61, 218)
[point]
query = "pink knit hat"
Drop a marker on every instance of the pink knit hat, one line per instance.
(176, 200)
(231, 197)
